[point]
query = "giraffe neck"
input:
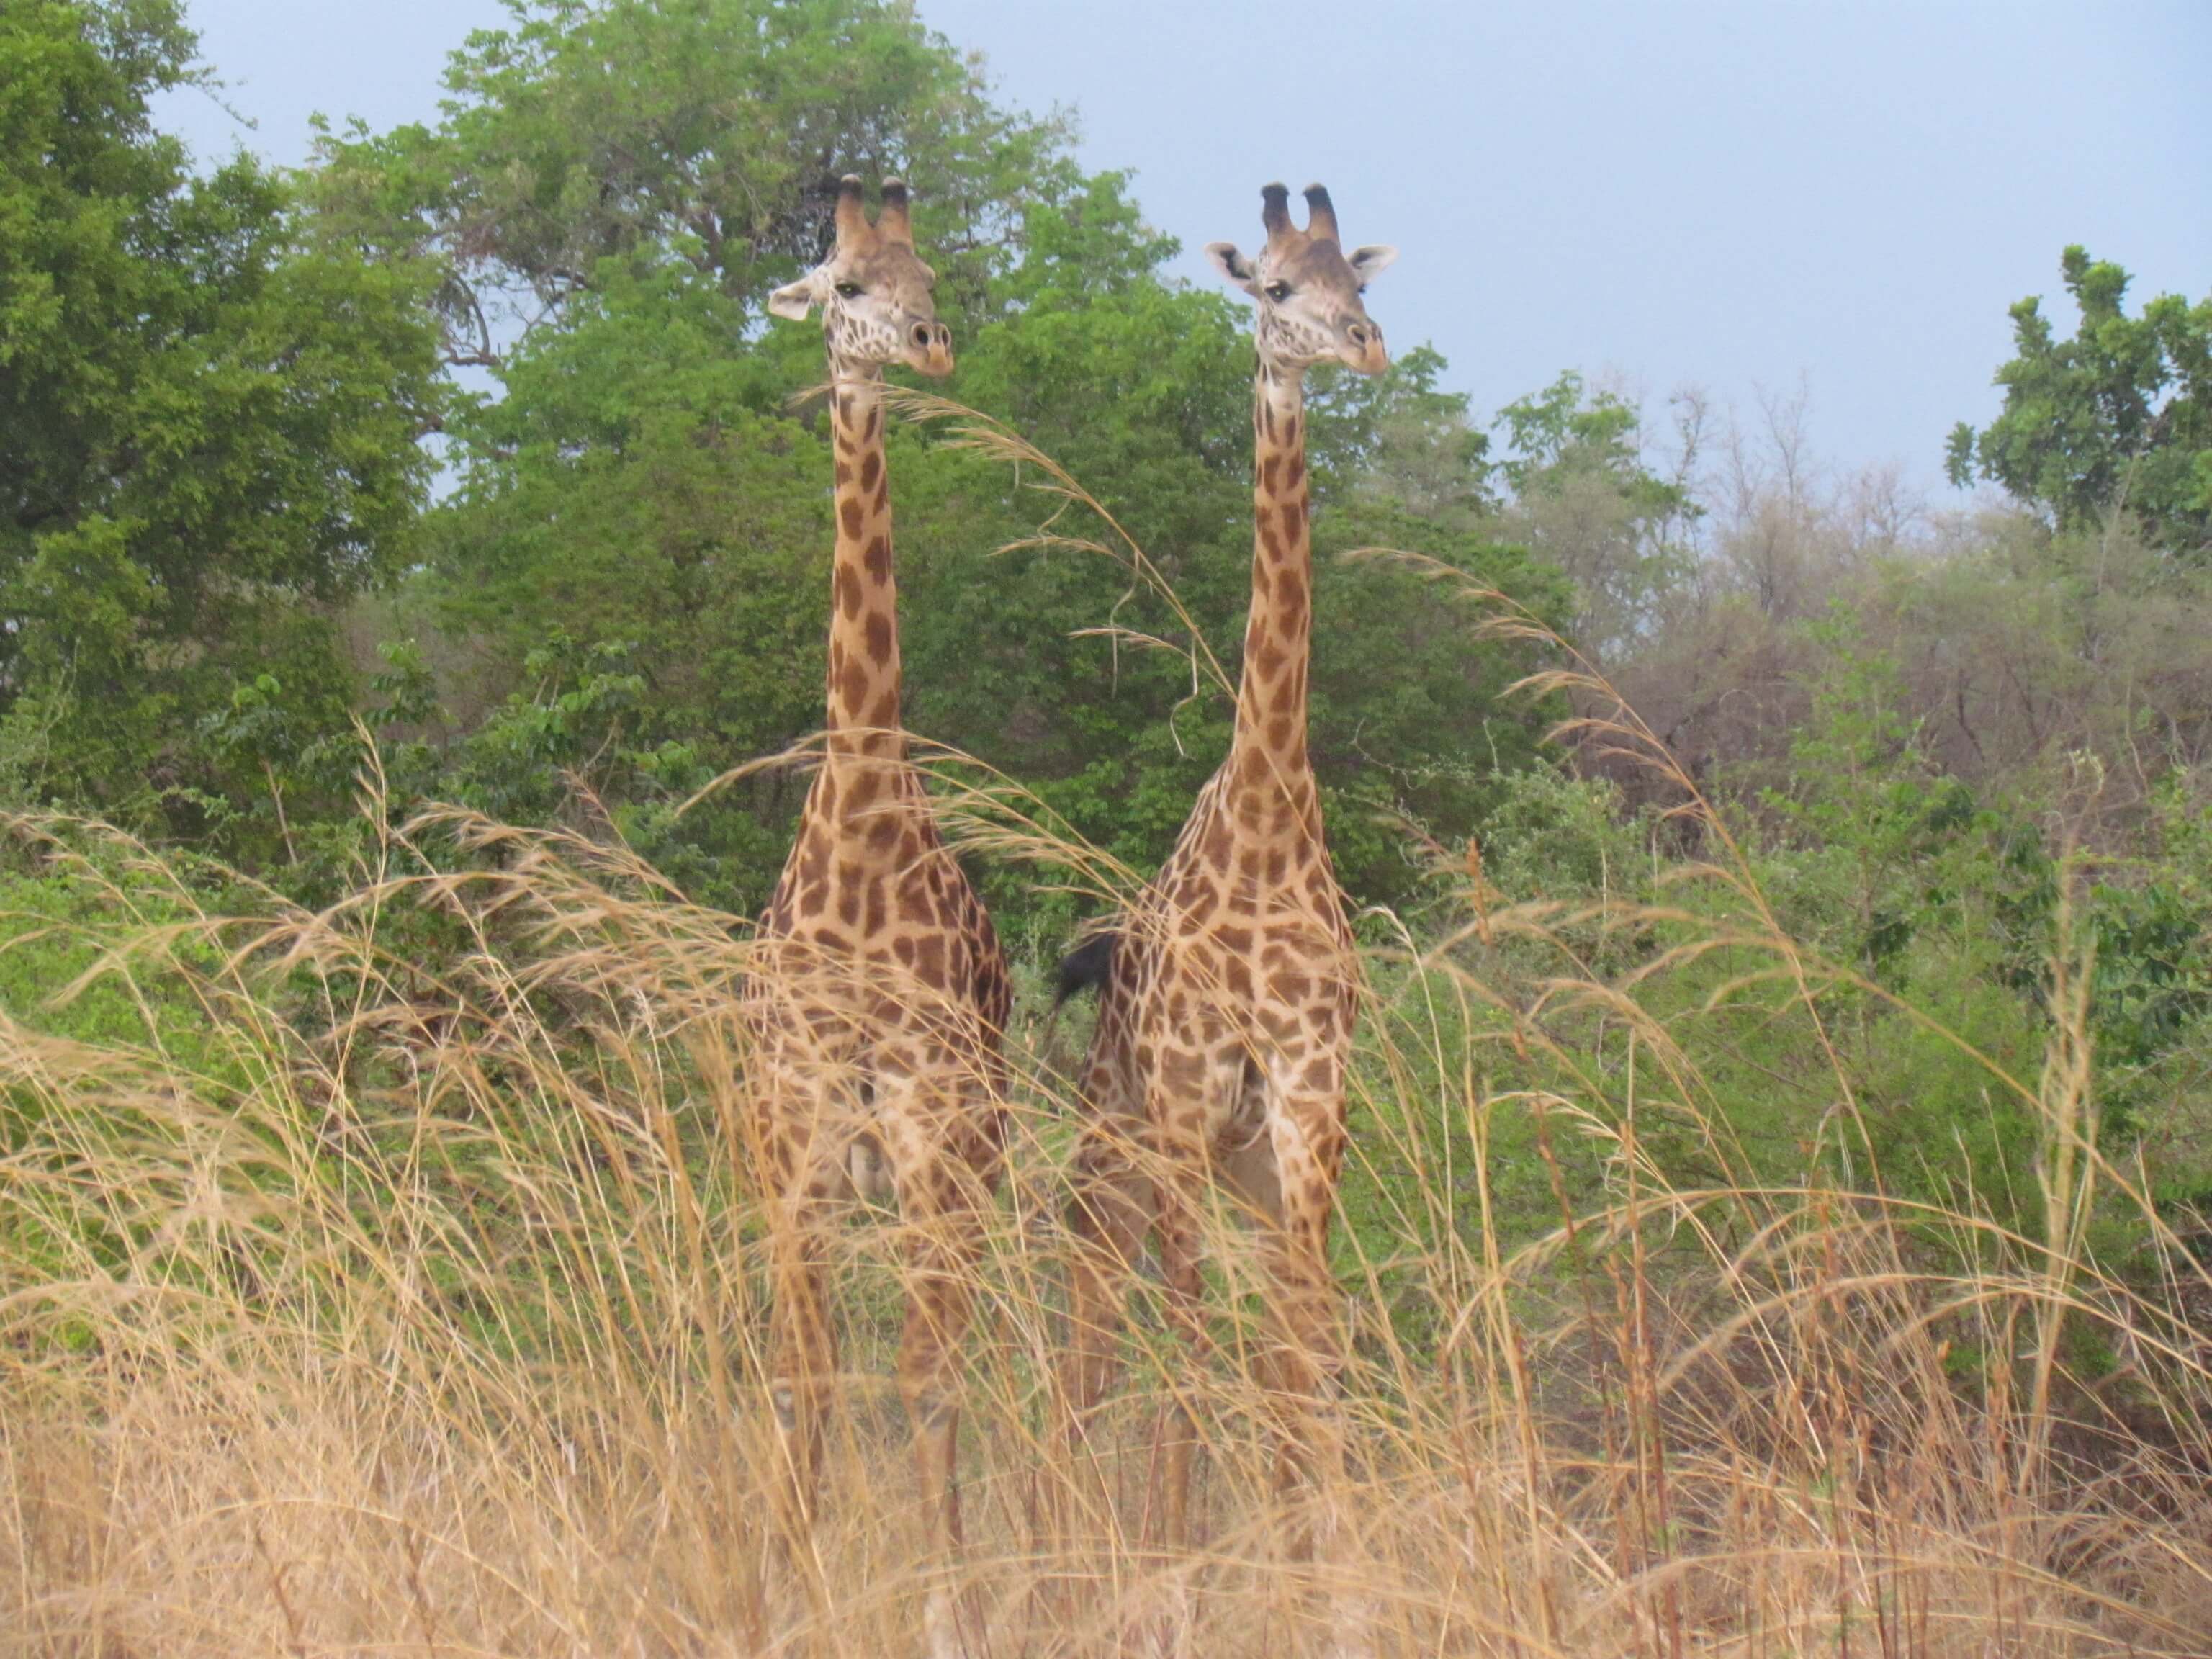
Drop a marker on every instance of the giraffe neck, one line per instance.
(864, 648)
(1271, 696)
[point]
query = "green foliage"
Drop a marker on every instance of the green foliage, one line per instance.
(54, 928)
(642, 485)
(207, 432)
(2150, 923)
(712, 131)
(1585, 500)
(1426, 745)
(67, 979)
(2118, 419)
(634, 484)
(214, 390)
(1863, 800)
(1400, 437)
(1141, 389)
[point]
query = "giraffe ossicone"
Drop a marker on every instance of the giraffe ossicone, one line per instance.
(873, 290)
(1308, 287)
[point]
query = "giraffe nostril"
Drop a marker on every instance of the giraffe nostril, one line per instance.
(1358, 333)
(923, 336)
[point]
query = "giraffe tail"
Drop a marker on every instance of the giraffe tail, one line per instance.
(1086, 968)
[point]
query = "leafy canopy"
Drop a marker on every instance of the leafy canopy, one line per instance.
(610, 193)
(208, 432)
(2118, 417)
(708, 131)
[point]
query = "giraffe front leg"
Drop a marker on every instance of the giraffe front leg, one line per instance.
(1190, 1095)
(1175, 1433)
(1107, 1217)
(1306, 1132)
(945, 1179)
(791, 1093)
(794, 1094)
(803, 1363)
(803, 1356)
(1175, 1436)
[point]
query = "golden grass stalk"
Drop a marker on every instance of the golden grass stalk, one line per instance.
(384, 1278)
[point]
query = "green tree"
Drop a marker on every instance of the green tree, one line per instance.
(630, 178)
(708, 131)
(635, 484)
(2118, 417)
(1863, 800)
(1401, 438)
(1139, 387)
(1585, 500)
(1413, 733)
(208, 437)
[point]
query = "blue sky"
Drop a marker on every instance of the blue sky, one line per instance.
(1729, 195)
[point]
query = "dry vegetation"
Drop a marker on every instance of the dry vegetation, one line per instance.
(414, 1314)
(377, 1270)
(390, 1285)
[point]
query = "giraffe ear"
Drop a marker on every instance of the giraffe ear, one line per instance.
(1233, 265)
(793, 299)
(1370, 262)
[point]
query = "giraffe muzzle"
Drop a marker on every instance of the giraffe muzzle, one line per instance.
(1363, 349)
(929, 348)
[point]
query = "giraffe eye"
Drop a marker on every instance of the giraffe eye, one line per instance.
(1278, 292)
(850, 290)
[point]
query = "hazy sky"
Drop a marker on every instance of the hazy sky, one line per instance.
(1727, 196)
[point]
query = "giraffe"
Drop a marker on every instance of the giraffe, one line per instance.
(1227, 991)
(875, 1014)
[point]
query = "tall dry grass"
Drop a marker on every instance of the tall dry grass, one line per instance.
(415, 1305)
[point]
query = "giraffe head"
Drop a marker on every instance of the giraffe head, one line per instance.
(1308, 287)
(873, 290)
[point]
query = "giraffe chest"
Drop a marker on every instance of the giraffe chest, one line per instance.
(872, 909)
(887, 922)
(1251, 873)
(1247, 944)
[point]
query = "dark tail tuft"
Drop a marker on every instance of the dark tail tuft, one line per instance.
(1087, 966)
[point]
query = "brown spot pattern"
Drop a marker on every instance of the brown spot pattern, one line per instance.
(852, 688)
(861, 884)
